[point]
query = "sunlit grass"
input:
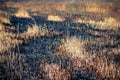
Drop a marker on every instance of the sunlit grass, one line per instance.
(55, 18)
(4, 18)
(73, 47)
(22, 13)
(108, 23)
(7, 41)
(35, 31)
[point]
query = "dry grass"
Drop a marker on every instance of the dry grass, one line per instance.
(108, 23)
(106, 69)
(97, 7)
(43, 7)
(101, 66)
(81, 60)
(2, 28)
(32, 31)
(73, 47)
(22, 13)
(55, 18)
(92, 7)
(39, 6)
(54, 72)
(35, 31)
(4, 18)
(7, 41)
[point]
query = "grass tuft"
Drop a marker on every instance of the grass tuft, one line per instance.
(35, 31)
(55, 18)
(22, 13)
(4, 18)
(73, 47)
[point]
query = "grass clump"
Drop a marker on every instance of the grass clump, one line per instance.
(55, 18)
(35, 31)
(22, 13)
(73, 47)
(4, 18)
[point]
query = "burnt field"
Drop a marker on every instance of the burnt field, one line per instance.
(60, 41)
